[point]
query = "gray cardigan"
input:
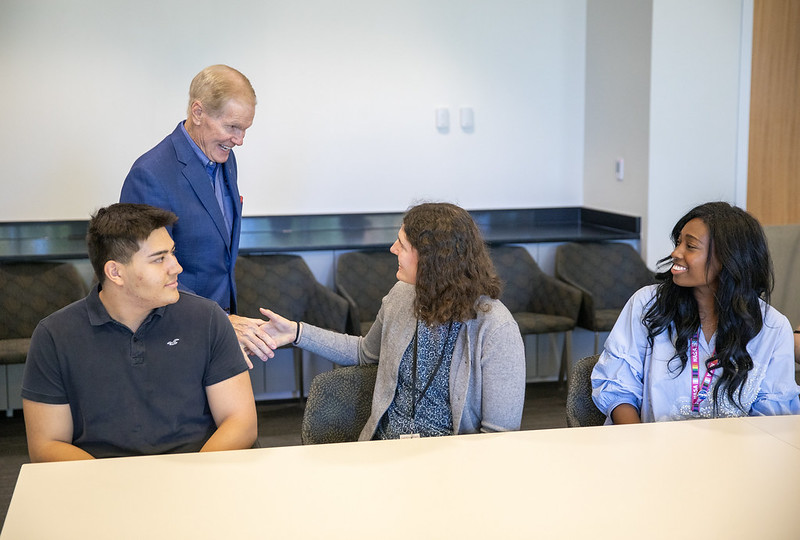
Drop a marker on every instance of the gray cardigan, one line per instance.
(487, 373)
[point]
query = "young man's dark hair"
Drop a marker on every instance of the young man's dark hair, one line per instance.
(116, 231)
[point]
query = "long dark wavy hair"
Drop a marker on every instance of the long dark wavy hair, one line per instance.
(738, 243)
(453, 268)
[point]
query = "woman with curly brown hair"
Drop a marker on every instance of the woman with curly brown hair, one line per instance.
(450, 356)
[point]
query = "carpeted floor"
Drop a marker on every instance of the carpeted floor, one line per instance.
(278, 425)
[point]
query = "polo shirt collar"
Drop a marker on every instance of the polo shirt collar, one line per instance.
(98, 314)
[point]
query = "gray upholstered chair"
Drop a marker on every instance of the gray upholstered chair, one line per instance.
(285, 284)
(339, 404)
(608, 273)
(539, 303)
(363, 278)
(784, 249)
(581, 410)
(29, 292)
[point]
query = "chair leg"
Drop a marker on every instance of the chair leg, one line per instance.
(596, 342)
(568, 354)
(525, 355)
(9, 409)
(566, 358)
(298, 372)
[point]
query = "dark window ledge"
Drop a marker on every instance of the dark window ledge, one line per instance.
(275, 234)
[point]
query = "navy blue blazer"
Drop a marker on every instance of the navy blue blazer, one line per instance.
(171, 177)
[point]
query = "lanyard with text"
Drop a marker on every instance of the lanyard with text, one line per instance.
(699, 393)
(414, 370)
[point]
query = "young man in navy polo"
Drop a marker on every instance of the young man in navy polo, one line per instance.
(137, 367)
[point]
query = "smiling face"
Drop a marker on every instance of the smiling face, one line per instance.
(691, 256)
(407, 258)
(217, 134)
(150, 278)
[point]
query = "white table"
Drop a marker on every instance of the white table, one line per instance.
(731, 478)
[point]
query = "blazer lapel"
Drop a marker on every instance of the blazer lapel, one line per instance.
(233, 190)
(196, 175)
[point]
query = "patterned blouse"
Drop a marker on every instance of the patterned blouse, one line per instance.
(430, 399)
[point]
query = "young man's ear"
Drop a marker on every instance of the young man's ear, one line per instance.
(114, 272)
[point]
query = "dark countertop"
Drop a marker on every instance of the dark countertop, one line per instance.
(275, 234)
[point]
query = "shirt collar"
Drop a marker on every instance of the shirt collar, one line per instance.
(207, 163)
(98, 314)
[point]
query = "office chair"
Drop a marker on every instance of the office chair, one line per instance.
(784, 249)
(339, 403)
(29, 292)
(581, 410)
(607, 273)
(285, 284)
(363, 278)
(538, 302)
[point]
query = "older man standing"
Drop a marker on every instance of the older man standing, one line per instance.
(192, 173)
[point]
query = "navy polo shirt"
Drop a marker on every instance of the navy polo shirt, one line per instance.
(134, 393)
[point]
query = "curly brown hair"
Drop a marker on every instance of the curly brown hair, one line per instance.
(454, 268)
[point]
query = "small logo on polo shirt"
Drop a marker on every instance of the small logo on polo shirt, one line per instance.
(173, 342)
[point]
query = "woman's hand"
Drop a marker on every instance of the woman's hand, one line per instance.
(281, 330)
(252, 338)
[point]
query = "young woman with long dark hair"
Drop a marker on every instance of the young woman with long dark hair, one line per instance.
(704, 341)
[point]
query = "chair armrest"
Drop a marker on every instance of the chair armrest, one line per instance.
(327, 309)
(586, 316)
(570, 298)
(353, 315)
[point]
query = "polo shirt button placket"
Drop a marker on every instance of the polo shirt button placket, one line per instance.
(137, 351)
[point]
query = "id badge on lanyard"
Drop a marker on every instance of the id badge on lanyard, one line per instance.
(700, 391)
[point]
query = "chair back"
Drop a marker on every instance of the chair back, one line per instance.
(517, 270)
(527, 288)
(286, 285)
(278, 282)
(363, 278)
(30, 291)
(610, 271)
(339, 404)
(784, 249)
(581, 410)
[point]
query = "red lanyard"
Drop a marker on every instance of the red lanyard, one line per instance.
(699, 393)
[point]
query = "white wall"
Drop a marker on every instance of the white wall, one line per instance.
(618, 41)
(694, 111)
(667, 89)
(347, 92)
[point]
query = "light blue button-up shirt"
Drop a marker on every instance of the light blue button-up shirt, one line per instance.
(630, 372)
